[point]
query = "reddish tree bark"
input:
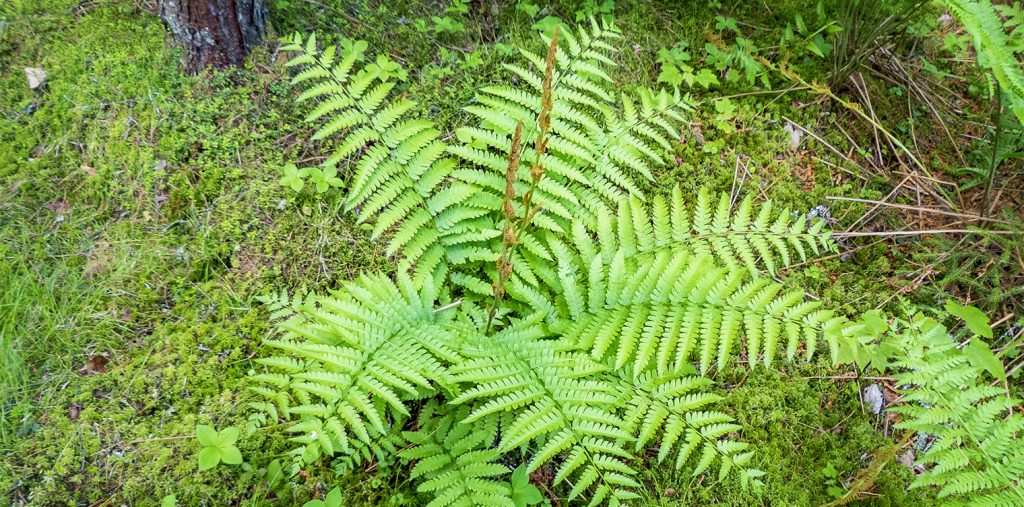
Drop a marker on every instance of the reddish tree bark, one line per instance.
(214, 32)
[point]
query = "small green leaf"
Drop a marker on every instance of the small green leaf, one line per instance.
(548, 24)
(706, 78)
(524, 493)
(169, 501)
(530, 9)
(230, 455)
(975, 319)
(333, 498)
(874, 323)
(207, 435)
(274, 472)
(209, 457)
(228, 436)
(981, 356)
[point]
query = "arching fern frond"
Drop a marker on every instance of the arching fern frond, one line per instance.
(559, 405)
(671, 409)
(663, 311)
(752, 236)
(977, 457)
(352, 360)
(602, 142)
(994, 47)
(457, 461)
(402, 179)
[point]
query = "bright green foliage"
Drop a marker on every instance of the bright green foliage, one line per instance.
(995, 49)
(747, 236)
(613, 296)
(664, 311)
(358, 357)
(977, 457)
(524, 493)
(400, 170)
(559, 400)
(332, 499)
(217, 446)
(352, 360)
(668, 407)
(456, 459)
(975, 319)
(602, 141)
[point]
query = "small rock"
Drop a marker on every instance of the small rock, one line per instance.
(874, 398)
(795, 135)
(36, 77)
(907, 459)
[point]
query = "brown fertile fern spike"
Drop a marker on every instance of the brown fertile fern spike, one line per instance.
(508, 235)
(514, 228)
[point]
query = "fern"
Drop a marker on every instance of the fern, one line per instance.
(613, 295)
(457, 459)
(976, 458)
(352, 361)
(401, 178)
(557, 402)
(993, 46)
(670, 406)
(663, 311)
(753, 238)
(601, 140)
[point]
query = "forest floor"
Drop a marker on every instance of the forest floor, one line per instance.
(141, 214)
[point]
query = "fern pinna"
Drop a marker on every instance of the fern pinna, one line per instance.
(618, 302)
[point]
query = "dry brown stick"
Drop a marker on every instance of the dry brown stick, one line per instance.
(966, 216)
(918, 233)
(866, 216)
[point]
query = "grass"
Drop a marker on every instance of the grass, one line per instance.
(140, 214)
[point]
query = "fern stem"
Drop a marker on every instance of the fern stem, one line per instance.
(994, 161)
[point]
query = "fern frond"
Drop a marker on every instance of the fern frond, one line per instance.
(558, 404)
(665, 310)
(457, 461)
(402, 178)
(601, 143)
(670, 408)
(978, 456)
(754, 237)
(993, 46)
(353, 361)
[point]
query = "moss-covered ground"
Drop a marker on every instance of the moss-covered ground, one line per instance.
(140, 214)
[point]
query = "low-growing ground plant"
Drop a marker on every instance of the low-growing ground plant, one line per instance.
(547, 313)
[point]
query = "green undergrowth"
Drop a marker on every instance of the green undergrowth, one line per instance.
(140, 214)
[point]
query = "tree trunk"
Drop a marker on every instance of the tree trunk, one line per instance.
(214, 32)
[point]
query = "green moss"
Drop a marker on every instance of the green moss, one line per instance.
(799, 423)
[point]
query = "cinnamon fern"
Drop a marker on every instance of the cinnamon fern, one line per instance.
(549, 309)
